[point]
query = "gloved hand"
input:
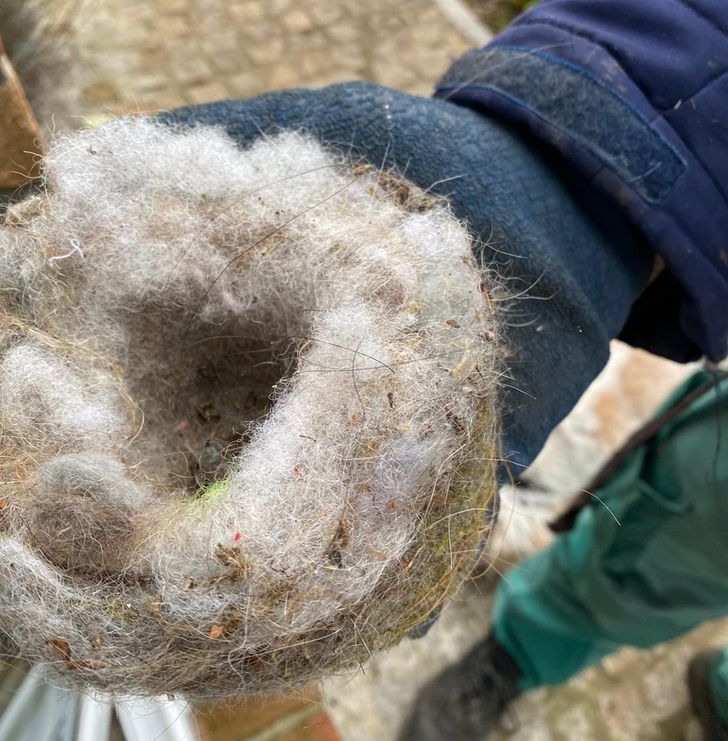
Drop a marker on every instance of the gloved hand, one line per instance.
(570, 261)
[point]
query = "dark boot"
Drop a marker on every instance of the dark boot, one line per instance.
(698, 682)
(466, 700)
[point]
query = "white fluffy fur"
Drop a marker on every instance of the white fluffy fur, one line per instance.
(324, 324)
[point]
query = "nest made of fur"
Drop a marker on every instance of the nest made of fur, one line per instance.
(247, 402)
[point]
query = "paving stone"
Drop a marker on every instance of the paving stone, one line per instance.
(127, 46)
(574, 723)
(173, 6)
(296, 21)
(278, 7)
(205, 93)
(208, 5)
(266, 52)
(325, 12)
(219, 45)
(314, 62)
(620, 662)
(343, 32)
(176, 25)
(152, 56)
(141, 13)
(282, 76)
(209, 24)
(230, 63)
(193, 71)
(249, 11)
(243, 84)
(301, 44)
(153, 83)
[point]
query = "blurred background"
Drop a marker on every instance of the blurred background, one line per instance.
(81, 62)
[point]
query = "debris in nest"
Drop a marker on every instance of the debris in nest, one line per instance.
(215, 632)
(339, 543)
(208, 412)
(62, 650)
(335, 557)
(211, 465)
(454, 420)
(181, 426)
(231, 557)
(407, 195)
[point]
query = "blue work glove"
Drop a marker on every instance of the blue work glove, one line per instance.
(570, 260)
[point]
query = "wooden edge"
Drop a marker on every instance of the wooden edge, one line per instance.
(20, 140)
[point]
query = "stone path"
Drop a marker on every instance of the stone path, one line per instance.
(631, 696)
(151, 54)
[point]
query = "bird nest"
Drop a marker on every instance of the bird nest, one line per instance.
(247, 402)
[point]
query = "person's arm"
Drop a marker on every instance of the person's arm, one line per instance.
(634, 97)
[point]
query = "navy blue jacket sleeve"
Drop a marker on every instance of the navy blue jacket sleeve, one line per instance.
(633, 95)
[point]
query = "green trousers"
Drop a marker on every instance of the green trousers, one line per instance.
(647, 565)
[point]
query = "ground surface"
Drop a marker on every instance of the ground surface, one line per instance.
(153, 54)
(631, 696)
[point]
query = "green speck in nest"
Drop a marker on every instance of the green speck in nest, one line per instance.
(207, 494)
